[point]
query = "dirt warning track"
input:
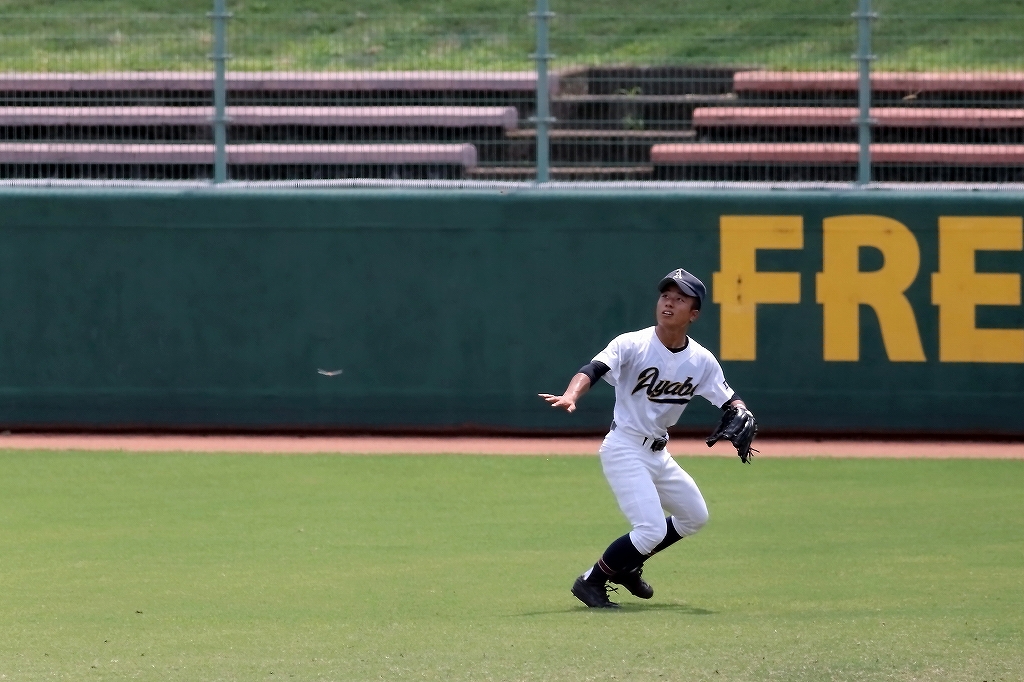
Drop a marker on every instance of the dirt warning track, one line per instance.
(499, 446)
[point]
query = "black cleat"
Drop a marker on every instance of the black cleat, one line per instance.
(634, 582)
(594, 596)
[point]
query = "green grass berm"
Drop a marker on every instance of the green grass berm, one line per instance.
(319, 35)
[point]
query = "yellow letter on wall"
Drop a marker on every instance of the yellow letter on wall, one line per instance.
(957, 288)
(739, 287)
(843, 288)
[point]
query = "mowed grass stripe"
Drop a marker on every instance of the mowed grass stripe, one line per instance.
(232, 567)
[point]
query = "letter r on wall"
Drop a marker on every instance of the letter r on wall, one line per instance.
(739, 287)
(843, 288)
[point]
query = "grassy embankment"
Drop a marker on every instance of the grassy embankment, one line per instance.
(470, 34)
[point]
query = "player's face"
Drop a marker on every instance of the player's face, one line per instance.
(676, 308)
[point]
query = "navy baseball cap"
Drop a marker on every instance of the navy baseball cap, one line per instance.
(687, 283)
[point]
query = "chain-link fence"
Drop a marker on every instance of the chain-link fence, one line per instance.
(650, 97)
(390, 97)
(429, 95)
(104, 97)
(960, 114)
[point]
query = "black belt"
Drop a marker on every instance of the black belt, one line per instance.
(657, 444)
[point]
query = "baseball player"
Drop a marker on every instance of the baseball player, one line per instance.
(655, 372)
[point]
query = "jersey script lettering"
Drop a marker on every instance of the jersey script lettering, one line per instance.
(648, 379)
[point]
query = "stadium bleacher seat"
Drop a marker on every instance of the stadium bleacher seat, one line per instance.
(423, 81)
(745, 82)
(369, 119)
(612, 123)
(707, 117)
(375, 116)
(833, 153)
(463, 155)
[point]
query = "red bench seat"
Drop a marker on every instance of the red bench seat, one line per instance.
(846, 81)
(381, 116)
(916, 117)
(834, 153)
(238, 81)
(240, 154)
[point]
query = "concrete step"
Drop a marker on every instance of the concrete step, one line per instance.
(631, 112)
(562, 173)
(649, 80)
(600, 146)
(602, 134)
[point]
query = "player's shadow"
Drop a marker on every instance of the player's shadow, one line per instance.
(685, 609)
(629, 607)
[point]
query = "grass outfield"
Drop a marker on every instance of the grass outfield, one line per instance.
(52, 35)
(226, 567)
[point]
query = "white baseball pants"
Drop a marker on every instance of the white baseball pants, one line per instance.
(645, 483)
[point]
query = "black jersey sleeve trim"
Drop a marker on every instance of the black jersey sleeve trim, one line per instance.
(730, 401)
(594, 371)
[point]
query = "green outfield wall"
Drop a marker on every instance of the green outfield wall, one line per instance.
(853, 312)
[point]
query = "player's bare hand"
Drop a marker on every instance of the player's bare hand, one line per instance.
(559, 401)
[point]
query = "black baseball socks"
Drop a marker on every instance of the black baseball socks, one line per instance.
(622, 556)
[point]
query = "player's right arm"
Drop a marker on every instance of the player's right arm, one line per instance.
(580, 384)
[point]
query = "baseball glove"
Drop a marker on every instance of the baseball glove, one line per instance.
(739, 427)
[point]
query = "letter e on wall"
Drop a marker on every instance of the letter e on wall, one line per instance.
(957, 288)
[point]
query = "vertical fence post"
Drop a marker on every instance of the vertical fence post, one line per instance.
(864, 16)
(543, 117)
(220, 16)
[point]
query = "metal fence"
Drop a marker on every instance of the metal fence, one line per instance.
(869, 95)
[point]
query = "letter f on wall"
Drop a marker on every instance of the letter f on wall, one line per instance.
(739, 287)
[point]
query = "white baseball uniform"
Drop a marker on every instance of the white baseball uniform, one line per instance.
(652, 388)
